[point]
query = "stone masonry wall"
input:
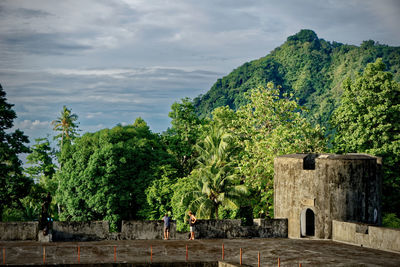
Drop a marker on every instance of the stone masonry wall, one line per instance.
(367, 236)
(145, 230)
(80, 231)
(328, 186)
(130, 230)
(262, 228)
(18, 231)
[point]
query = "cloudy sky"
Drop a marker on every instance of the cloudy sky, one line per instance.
(112, 61)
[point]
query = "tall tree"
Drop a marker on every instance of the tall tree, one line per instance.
(368, 121)
(13, 184)
(66, 124)
(160, 192)
(216, 178)
(41, 160)
(181, 138)
(271, 125)
(41, 170)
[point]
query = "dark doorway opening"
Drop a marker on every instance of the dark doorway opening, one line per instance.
(307, 223)
(310, 223)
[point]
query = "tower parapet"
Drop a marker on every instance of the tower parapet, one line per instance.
(311, 190)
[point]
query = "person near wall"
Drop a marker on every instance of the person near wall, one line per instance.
(44, 223)
(192, 222)
(167, 226)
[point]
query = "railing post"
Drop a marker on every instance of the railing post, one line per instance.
(44, 255)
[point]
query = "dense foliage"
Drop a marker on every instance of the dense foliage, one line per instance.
(368, 120)
(216, 179)
(270, 126)
(13, 184)
(41, 168)
(310, 68)
(105, 174)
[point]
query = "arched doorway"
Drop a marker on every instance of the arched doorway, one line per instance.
(307, 223)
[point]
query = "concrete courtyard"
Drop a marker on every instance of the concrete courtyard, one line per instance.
(290, 251)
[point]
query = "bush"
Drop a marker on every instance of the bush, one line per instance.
(391, 220)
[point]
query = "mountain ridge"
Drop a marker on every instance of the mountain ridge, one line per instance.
(309, 67)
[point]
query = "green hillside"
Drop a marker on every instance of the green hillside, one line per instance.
(312, 68)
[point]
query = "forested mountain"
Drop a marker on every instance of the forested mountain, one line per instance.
(311, 68)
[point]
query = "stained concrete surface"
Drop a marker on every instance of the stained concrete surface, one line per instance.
(290, 251)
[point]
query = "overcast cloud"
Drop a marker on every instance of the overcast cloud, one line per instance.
(113, 61)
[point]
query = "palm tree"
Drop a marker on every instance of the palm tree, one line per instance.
(217, 183)
(68, 128)
(66, 125)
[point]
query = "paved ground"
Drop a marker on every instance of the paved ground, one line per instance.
(291, 252)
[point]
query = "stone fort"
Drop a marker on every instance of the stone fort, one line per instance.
(313, 190)
(317, 196)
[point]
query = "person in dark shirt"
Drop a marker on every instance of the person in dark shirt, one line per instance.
(167, 224)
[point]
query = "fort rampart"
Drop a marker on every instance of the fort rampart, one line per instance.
(131, 230)
(366, 235)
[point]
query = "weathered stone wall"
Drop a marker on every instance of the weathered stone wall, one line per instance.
(218, 228)
(145, 230)
(262, 228)
(206, 229)
(333, 187)
(130, 230)
(367, 236)
(80, 231)
(18, 231)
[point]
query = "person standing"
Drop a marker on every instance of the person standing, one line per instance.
(192, 221)
(167, 225)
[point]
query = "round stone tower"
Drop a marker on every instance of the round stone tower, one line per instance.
(311, 190)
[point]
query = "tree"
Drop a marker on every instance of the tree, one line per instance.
(41, 170)
(180, 202)
(13, 184)
(160, 192)
(216, 179)
(66, 124)
(105, 174)
(269, 126)
(181, 138)
(368, 121)
(41, 160)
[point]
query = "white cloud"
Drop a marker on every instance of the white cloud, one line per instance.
(32, 125)
(114, 60)
(93, 115)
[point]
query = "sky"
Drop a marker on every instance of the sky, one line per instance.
(111, 61)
